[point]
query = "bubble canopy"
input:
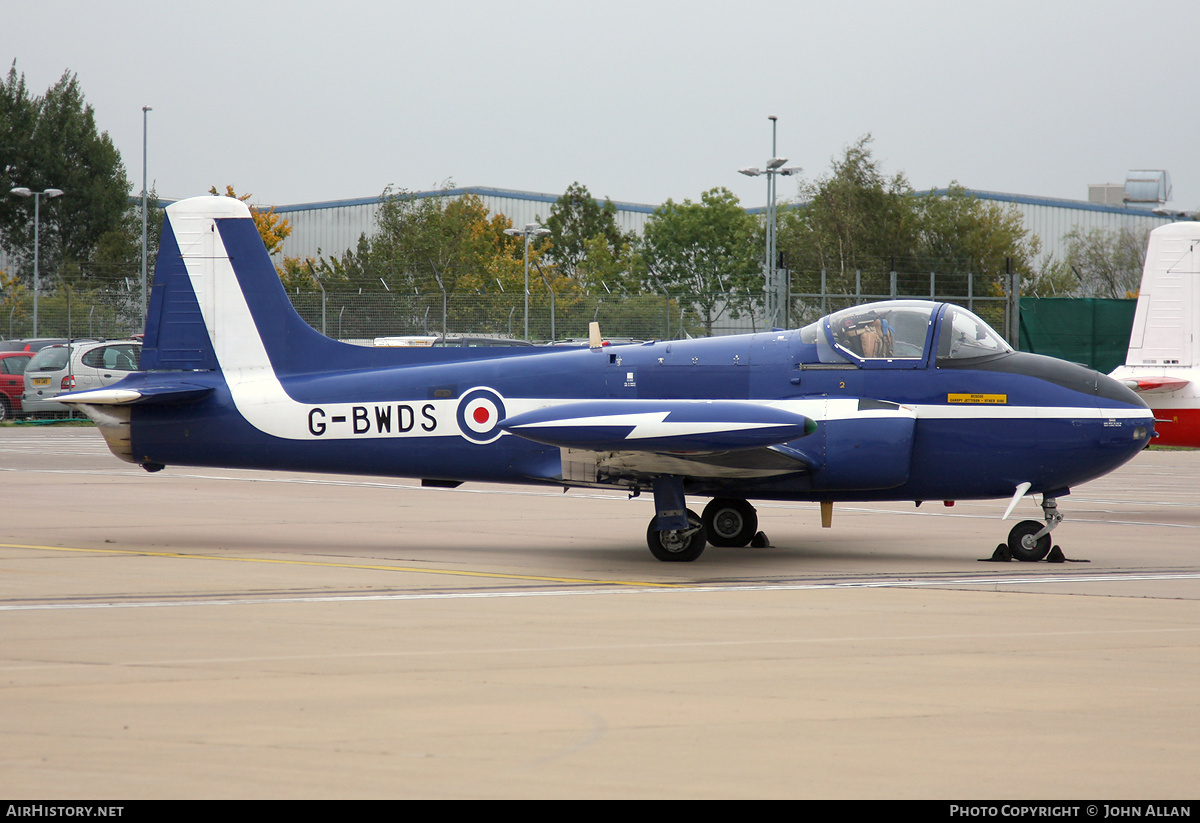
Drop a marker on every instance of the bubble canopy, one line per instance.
(899, 332)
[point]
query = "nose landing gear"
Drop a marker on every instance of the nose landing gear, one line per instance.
(1029, 540)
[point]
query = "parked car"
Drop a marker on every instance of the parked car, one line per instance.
(75, 367)
(12, 384)
(583, 342)
(478, 341)
(453, 340)
(32, 344)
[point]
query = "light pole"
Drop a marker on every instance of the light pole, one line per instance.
(37, 219)
(530, 230)
(145, 111)
(776, 291)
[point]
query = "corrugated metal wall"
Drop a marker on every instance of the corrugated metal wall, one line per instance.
(1052, 219)
(331, 227)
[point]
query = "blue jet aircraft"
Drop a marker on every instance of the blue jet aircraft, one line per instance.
(903, 400)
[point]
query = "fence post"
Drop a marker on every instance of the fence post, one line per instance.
(1012, 305)
(438, 278)
(70, 330)
(552, 311)
(666, 305)
(317, 280)
(787, 305)
(1016, 304)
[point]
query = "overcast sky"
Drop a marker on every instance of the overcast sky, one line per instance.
(304, 101)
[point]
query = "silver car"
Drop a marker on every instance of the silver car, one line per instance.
(79, 366)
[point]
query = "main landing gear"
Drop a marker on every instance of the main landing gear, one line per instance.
(1029, 540)
(730, 521)
(677, 545)
(677, 534)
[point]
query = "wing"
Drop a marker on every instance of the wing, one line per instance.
(671, 426)
(692, 438)
(861, 443)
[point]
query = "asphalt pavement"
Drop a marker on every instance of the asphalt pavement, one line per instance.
(208, 633)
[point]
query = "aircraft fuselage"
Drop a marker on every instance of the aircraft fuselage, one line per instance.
(412, 420)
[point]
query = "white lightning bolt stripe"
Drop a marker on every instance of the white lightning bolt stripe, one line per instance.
(650, 425)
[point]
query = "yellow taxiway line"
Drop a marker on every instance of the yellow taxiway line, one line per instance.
(362, 566)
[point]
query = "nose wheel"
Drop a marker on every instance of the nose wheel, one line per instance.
(1029, 540)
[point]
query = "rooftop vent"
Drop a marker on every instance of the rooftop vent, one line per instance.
(1147, 188)
(1110, 194)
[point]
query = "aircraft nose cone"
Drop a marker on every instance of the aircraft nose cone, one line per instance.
(1110, 392)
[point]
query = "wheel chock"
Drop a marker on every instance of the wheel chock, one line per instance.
(760, 541)
(1000, 555)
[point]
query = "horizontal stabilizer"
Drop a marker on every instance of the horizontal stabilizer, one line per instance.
(677, 426)
(1156, 385)
(171, 393)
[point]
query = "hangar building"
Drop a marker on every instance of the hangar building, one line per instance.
(329, 228)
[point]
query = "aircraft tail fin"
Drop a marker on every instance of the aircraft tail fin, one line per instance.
(217, 302)
(1168, 307)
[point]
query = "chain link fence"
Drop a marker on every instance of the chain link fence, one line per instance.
(361, 317)
(71, 313)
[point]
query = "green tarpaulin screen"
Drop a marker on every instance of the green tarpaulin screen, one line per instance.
(1092, 331)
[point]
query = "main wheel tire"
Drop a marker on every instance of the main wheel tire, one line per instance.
(1021, 544)
(730, 521)
(677, 545)
(5, 410)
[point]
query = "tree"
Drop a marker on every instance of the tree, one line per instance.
(577, 220)
(959, 234)
(1053, 278)
(855, 219)
(117, 255)
(452, 236)
(52, 142)
(705, 254)
(857, 222)
(272, 228)
(14, 299)
(605, 269)
(1108, 262)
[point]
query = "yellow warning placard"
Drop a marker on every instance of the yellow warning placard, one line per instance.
(976, 398)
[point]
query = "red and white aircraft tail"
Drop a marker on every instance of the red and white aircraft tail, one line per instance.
(1163, 362)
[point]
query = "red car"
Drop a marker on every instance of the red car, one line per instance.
(12, 382)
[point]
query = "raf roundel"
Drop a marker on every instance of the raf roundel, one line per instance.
(479, 414)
